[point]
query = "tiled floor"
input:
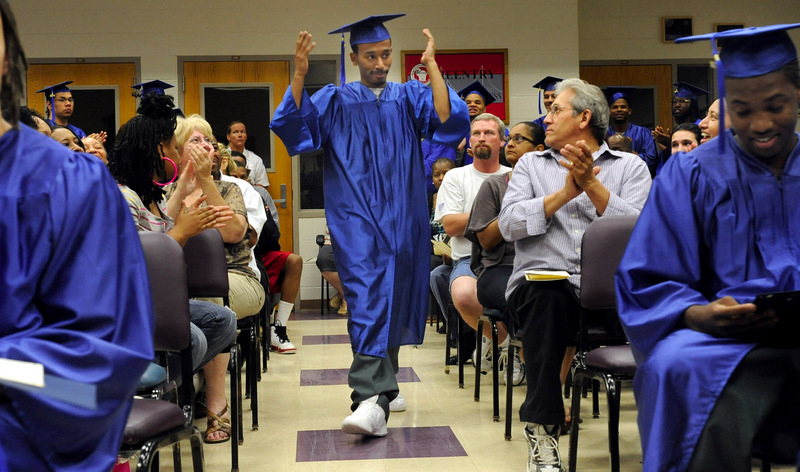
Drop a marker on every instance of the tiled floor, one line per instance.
(443, 429)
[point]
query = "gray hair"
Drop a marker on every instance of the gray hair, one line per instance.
(588, 97)
(501, 127)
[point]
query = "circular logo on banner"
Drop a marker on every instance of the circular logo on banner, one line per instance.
(420, 73)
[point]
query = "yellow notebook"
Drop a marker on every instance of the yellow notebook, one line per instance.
(440, 248)
(545, 275)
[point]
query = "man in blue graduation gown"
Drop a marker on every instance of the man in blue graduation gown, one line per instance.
(60, 106)
(619, 104)
(374, 198)
(717, 372)
(74, 294)
(547, 95)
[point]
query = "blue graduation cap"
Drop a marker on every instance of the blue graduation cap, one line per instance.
(546, 85)
(156, 86)
(50, 94)
(368, 30)
(615, 93)
(178, 112)
(747, 52)
(477, 88)
(687, 90)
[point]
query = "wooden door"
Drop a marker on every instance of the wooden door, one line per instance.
(658, 76)
(101, 75)
(245, 72)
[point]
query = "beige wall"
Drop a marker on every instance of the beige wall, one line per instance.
(631, 30)
(160, 31)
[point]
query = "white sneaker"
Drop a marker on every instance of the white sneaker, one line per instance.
(398, 404)
(543, 455)
(369, 419)
(279, 341)
(518, 372)
(486, 355)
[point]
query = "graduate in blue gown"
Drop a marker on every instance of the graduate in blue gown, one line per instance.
(74, 293)
(61, 105)
(375, 198)
(719, 228)
(619, 104)
(547, 95)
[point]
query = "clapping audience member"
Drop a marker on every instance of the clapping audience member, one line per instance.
(195, 141)
(144, 155)
(551, 200)
(94, 146)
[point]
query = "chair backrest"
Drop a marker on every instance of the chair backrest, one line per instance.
(602, 248)
(167, 274)
(206, 265)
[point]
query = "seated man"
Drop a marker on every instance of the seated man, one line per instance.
(453, 203)
(492, 257)
(718, 373)
(553, 197)
(327, 267)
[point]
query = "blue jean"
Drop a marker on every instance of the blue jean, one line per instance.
(213, 330)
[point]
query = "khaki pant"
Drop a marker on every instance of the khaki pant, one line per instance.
(246, 295)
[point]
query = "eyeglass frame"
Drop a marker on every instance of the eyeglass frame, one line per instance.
(556, 109)
(518, 138)
(196, 141)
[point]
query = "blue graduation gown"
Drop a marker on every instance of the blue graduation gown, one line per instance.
(78, 132)
(643, 143)
(540, 121)
(431, 152)
(375, 197)
(714, 225)
(75, 297)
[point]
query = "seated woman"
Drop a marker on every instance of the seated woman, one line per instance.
(327, 267)
(68, 138)
(196, 146)
(94, 146)
(138, 167)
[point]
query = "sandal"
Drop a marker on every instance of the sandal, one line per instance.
(216, 423)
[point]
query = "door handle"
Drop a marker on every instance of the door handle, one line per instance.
(282, 200)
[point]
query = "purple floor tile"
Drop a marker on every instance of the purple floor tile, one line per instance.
(326, 339)
(334, 445)
(309, 377)
(313, 315)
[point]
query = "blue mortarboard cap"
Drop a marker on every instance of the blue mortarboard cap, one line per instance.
(547, 84)
(748, 52)
(687, 90)
(178, 112)
(368, 30)
(50, 93)
(156, 86)
(615, 93)
(477, 88)
(54, 89)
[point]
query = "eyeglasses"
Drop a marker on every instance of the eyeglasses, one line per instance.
(685, 101)
(518, 138)
(556, 109)
(64, 100)
(197, 140)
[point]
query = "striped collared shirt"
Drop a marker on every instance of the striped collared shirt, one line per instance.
(555, 243)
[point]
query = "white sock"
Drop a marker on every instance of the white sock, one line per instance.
(282, 312)
(542, 429)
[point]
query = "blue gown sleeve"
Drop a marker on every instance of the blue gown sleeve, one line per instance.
(77, 300)
(431, 152)
(659, 276)
(451, 132)
(300, 128)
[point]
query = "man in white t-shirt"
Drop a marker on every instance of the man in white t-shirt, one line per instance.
(453, 204)
(237, 137)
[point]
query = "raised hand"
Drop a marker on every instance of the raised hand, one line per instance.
(302, 48)
(429, 55)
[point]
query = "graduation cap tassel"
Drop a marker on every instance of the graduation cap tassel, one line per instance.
(341, 65)
(540, 101)
(721, 86)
